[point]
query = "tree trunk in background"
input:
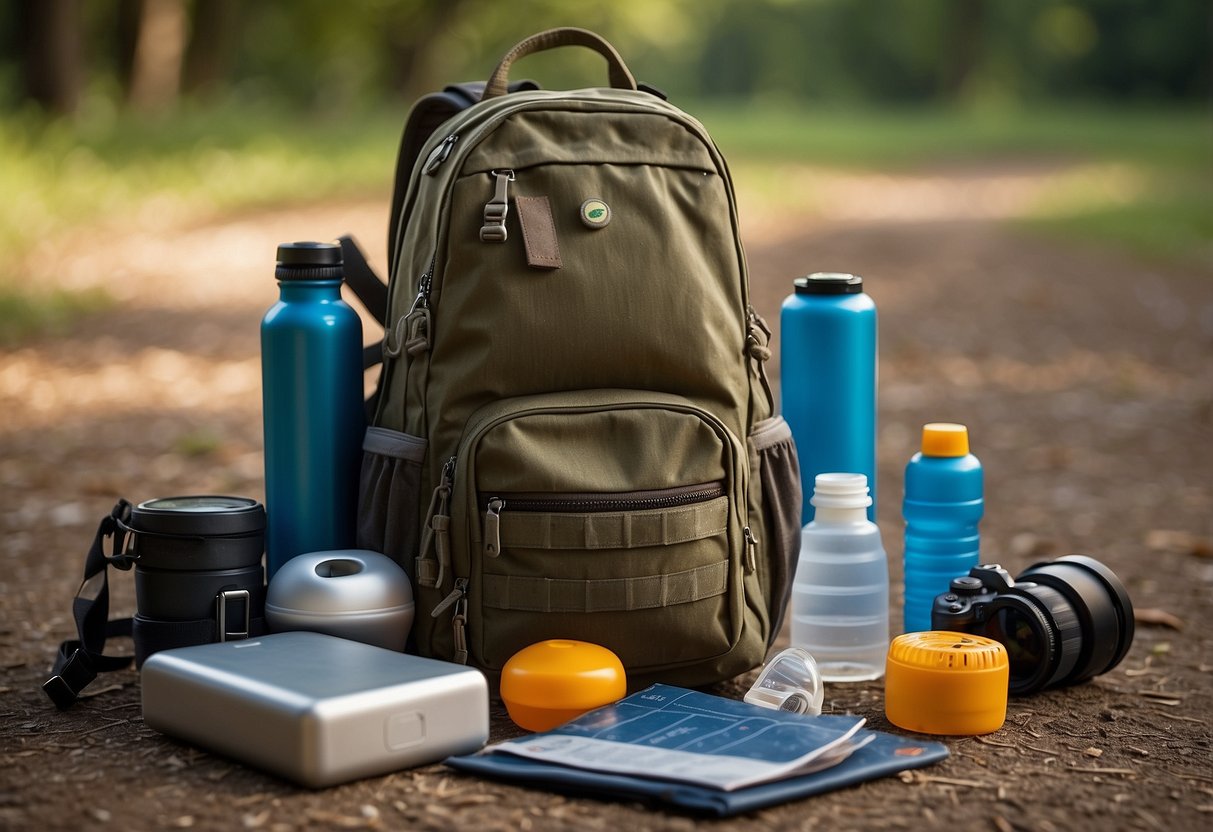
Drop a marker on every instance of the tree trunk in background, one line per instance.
(50, 31)
(159, 49)
(212, 39)
(963, 46)
(410, 36)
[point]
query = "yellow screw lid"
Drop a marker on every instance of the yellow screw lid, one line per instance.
(553, 681)
(944, 439)
(938, 682)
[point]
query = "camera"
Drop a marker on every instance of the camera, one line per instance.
(1062, 621)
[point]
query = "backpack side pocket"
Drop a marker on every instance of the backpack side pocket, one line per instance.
(388, 494)
(775, 468)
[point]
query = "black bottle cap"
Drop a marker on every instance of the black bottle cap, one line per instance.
(829, 283)
(309, 261)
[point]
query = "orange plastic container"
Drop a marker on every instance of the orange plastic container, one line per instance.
(551, 682)
(937, 682)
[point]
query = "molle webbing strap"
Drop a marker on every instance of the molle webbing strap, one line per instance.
(507, 592)
(621, 530)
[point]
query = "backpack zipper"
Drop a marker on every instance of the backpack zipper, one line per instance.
(590, 503)
(438, 154)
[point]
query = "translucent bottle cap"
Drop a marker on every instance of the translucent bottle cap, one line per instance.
(841, 491)
(789, 682)
(945, 439)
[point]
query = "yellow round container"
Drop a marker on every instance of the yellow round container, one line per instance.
(551, 682)
(938, 682)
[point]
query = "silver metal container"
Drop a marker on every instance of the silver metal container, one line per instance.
(350, 593)
(316, 709)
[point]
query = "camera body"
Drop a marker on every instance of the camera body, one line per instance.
(1061, 621)
(969, 599)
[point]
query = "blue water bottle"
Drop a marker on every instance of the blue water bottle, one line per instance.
(311, 380)
(828, 379)
(943, 505)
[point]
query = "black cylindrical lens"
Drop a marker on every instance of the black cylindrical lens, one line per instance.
(1026, 638)
(191, 553)
(1097, 601)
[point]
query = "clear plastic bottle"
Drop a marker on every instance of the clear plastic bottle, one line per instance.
(942, 507)
(840, 596)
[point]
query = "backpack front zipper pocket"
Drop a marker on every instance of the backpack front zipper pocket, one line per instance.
(587, 503)
(614, 517)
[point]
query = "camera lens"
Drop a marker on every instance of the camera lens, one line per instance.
(1024, 640)
(1062, 622)
(1097, 600)
(191, 553)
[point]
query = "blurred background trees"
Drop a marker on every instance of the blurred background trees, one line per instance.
(151, 55)
(128, 115)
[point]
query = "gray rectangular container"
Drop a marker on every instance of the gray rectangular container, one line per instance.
(314, 708)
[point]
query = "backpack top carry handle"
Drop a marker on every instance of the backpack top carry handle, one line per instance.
(621, 78)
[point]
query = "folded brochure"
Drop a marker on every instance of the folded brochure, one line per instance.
(702, 752)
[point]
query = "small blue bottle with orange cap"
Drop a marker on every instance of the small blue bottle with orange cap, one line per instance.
(943, 505)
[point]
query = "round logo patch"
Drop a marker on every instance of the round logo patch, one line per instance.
(595, 213)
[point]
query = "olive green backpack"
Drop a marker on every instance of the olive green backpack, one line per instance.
(573, 436)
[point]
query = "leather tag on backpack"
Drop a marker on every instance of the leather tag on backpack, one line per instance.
(538, 232)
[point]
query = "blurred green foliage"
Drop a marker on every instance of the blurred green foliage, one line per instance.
(287, 100)
(317, 54)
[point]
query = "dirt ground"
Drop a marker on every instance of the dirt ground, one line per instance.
(1085, 376)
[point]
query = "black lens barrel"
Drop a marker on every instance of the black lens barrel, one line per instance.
(1097, 599)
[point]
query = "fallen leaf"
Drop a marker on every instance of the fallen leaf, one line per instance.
(1161, 648)
(1166, 540)
(1154, 615)
(1093, 752)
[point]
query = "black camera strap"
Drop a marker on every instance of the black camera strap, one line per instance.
(79, 660)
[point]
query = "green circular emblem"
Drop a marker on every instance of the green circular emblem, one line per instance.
(595, 213)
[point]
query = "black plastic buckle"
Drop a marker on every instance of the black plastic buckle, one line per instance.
(221, 601)
(64, 687)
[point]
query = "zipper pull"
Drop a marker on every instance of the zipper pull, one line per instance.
(492, 527)
(496, 209)
(436, 532)
(459, 631)
(439, 154)
(751, 550)
(458, 593)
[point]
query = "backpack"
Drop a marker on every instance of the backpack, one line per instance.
(573, 435)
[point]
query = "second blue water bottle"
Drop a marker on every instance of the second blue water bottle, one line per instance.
(311, 376)
(942, 507)
(828, 379)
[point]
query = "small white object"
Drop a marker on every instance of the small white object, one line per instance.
(789, 682)
(349, 593)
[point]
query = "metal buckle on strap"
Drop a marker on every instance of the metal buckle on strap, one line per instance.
(221, 601)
